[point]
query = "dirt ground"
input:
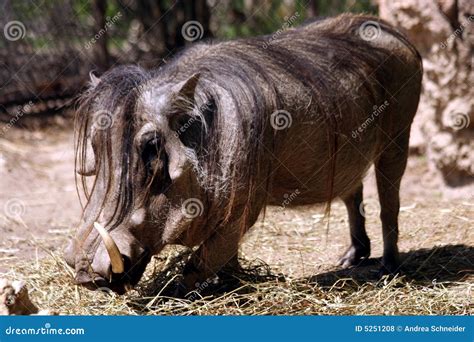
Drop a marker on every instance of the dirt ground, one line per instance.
(39, 205)
(39, 210)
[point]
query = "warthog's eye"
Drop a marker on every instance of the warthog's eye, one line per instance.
(151, 151)
(155, 160)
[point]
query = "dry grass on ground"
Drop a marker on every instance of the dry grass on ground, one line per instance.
(292, 271)
(289, 259)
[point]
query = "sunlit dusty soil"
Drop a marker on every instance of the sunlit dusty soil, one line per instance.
(38, 203)
(291, 255)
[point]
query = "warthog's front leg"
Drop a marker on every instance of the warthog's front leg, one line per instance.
(218, 252)
(360, 243)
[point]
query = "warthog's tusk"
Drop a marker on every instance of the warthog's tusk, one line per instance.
(111, 247)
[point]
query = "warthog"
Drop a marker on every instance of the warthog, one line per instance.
(191, 153)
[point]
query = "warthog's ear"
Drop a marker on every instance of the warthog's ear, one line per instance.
(94, 82)
(191, 133)
(190, 124)
(185, 92)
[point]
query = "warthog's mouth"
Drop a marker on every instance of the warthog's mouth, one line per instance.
(110, 269)
(118, 283)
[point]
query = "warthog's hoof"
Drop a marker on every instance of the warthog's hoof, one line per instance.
(354, 255)
(390, 266)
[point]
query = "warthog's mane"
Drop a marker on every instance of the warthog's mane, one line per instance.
(235, 161)
(113, 101)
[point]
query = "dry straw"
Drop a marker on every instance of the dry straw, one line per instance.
(298, 275)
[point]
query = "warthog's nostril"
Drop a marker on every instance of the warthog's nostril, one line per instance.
(116, 259)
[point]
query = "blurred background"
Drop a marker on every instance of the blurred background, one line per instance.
(48, 48)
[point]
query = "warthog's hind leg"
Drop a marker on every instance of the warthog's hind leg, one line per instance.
(389, 169)
(360, 243)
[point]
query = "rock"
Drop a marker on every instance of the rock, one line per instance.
(14, 300)
(443, 32)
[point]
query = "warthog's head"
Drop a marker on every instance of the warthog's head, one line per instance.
(138, 142)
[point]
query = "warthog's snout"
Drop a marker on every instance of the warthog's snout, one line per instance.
(117, 264)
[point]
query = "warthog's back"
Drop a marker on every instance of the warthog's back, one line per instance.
(347, 84)
(371, 87)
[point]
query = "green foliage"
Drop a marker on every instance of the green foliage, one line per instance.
(229, 19)
(241, 18)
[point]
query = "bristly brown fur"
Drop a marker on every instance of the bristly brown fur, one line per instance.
(322, 73)
(117, 89)
(301, 54)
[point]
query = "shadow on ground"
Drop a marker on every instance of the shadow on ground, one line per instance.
(422, 267)
(426, 267)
